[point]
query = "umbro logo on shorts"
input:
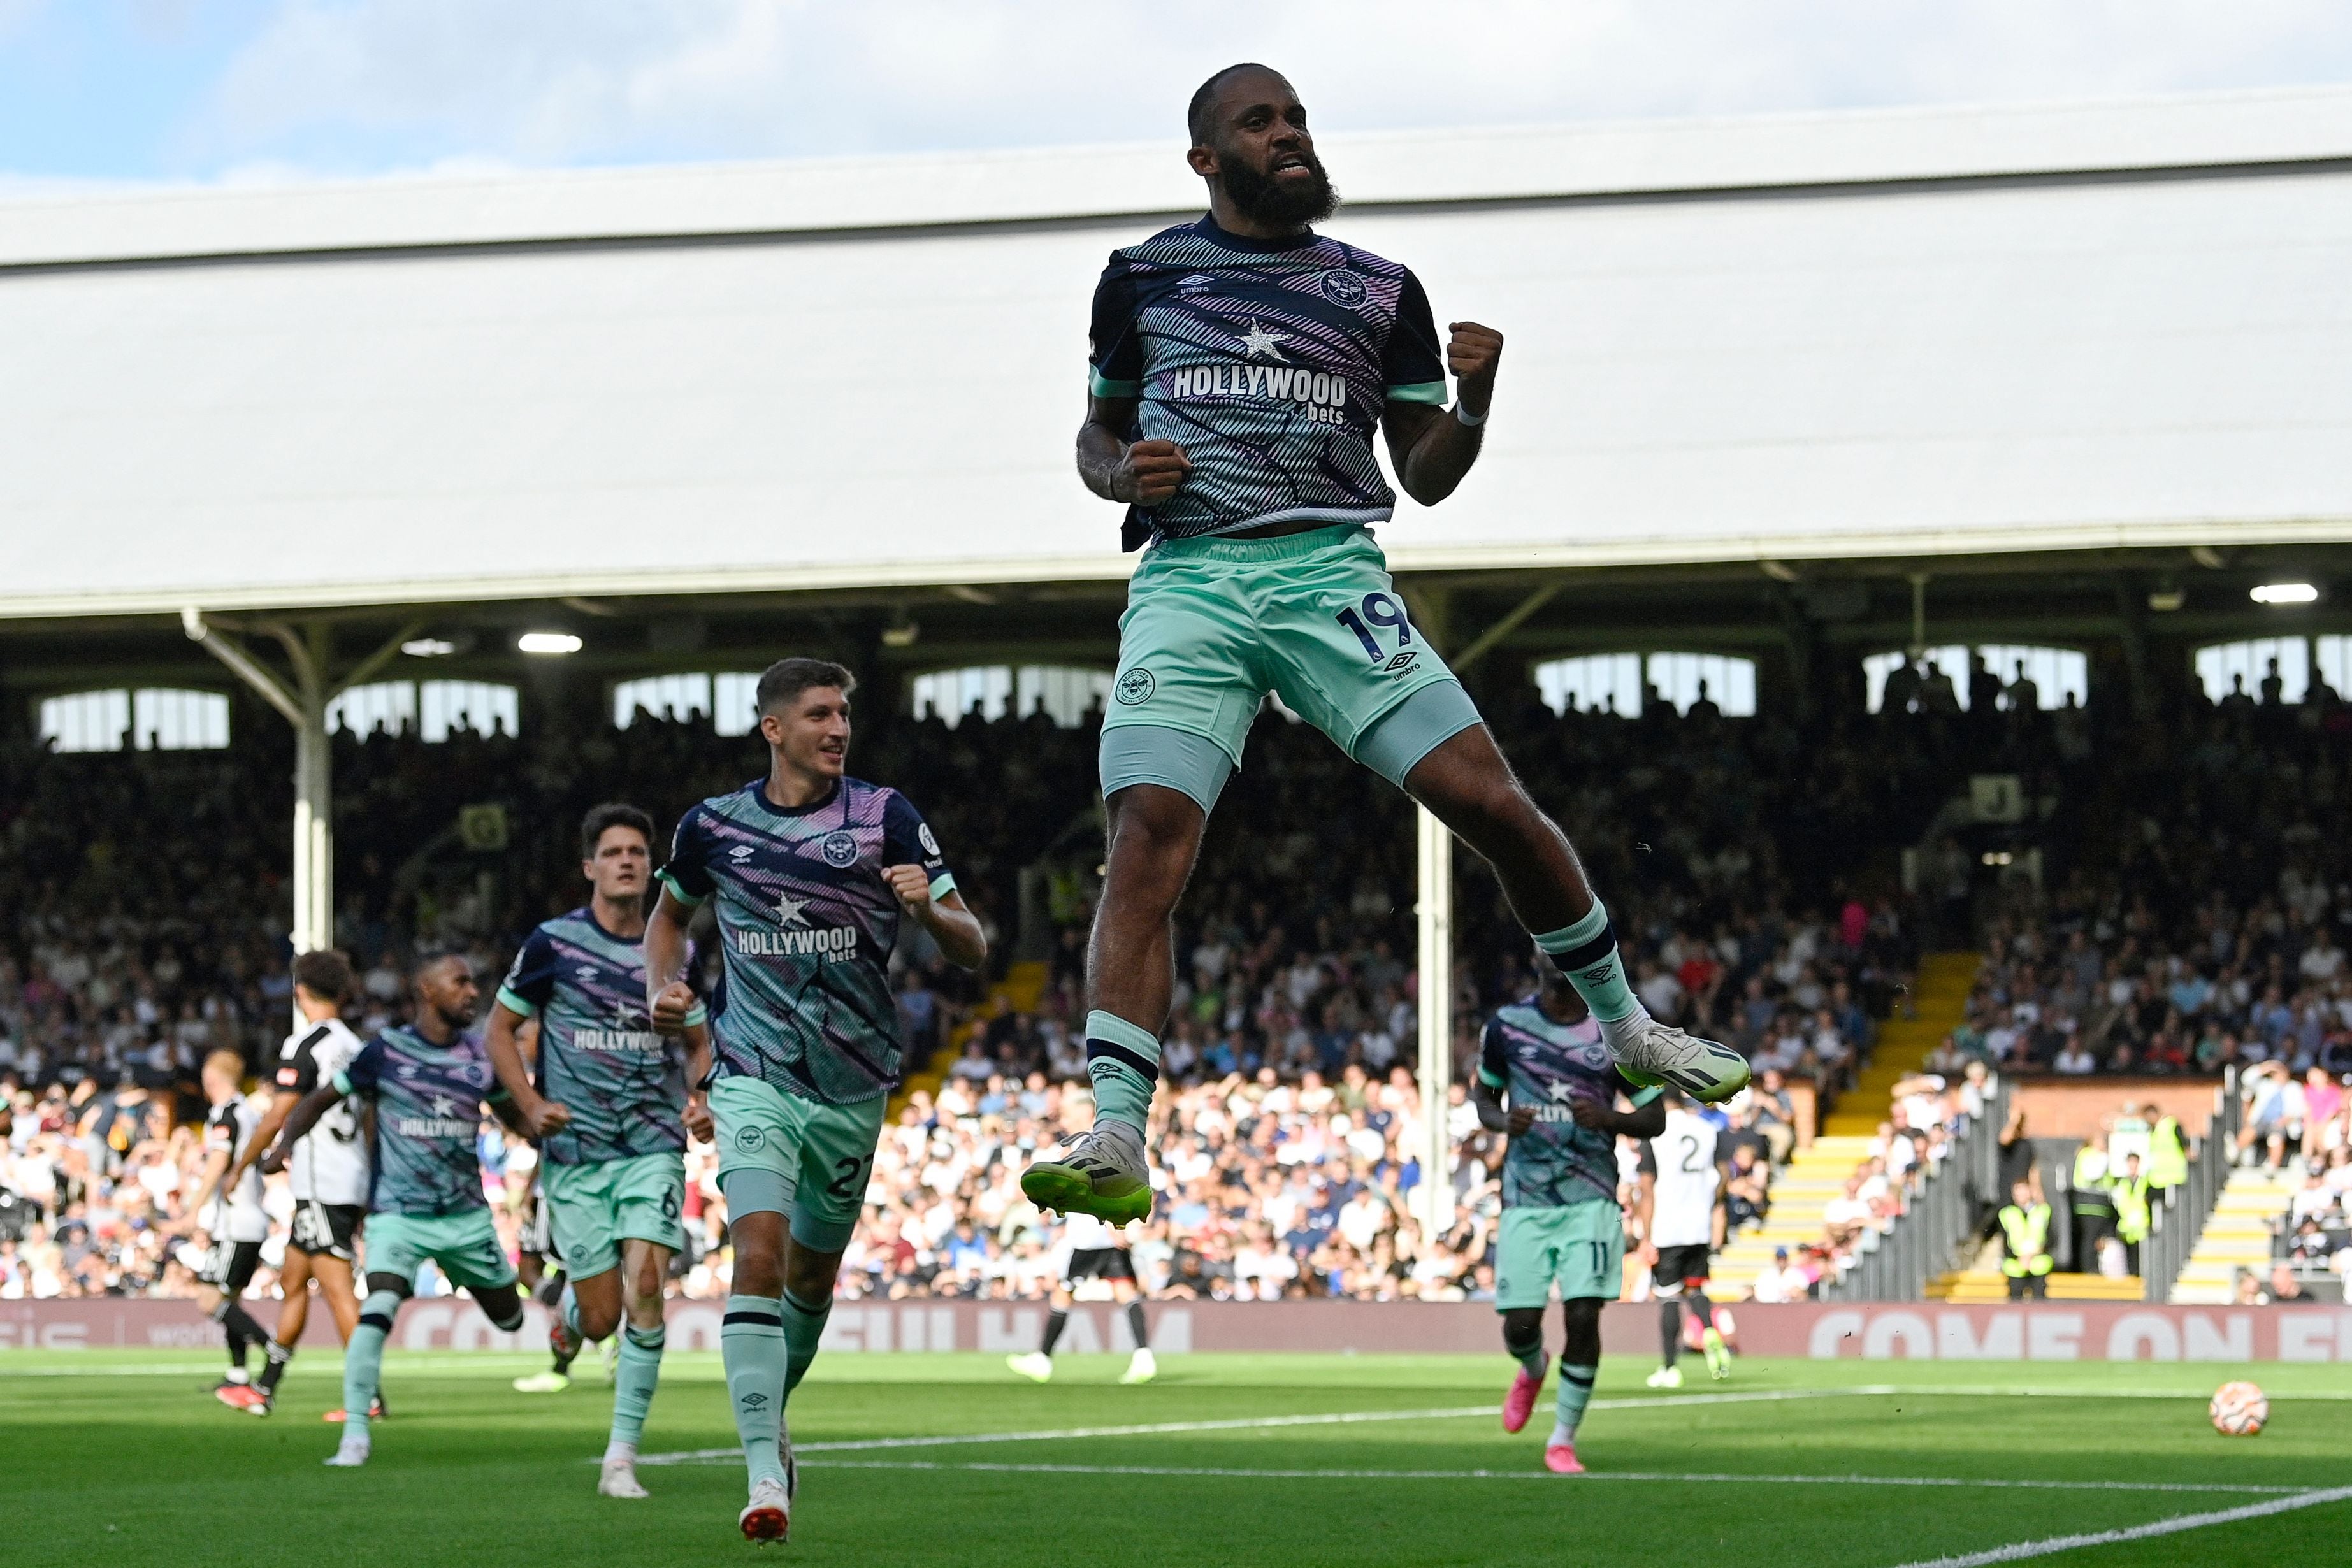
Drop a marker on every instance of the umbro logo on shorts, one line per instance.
(1401, 662)
(1136, 686)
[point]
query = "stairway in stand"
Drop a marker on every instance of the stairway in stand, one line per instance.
(2237, 1236)
(1941, 1005)
(1023, 985)
(1802, 1189)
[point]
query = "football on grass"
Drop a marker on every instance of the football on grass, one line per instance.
(2239, 1410)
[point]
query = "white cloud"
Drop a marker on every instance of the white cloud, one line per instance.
(372, 82)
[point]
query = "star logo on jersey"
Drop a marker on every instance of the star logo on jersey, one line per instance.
(790, 911)
(1563, 1092)
(443, 1105)
(1257, 341)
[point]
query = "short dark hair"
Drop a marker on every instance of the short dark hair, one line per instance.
(612, 814)
(1196, 113)
(434, 952)
(785, 679)
(325, 974)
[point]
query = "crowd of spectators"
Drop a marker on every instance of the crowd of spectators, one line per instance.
(1747, 861)
(2200, 921)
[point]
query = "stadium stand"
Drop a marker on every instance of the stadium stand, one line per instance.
(1754, 854)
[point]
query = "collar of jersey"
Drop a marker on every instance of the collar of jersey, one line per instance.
(759, 788)
(587, 912)
(1212, 229)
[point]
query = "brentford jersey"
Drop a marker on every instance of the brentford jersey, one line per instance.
(330, 1164)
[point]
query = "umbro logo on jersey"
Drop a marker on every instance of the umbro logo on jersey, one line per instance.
(741, 852)
(585, 973)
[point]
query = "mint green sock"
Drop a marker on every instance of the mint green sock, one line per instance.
(633, 1378)
(803, 1328)
(363, 1358)
(1587, 954)
(1123, 1062)
(751, 1346)
(1575, 1394)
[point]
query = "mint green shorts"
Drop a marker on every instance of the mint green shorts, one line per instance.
(594, 1207)
(780, 1153)
(1212, 625)
(1580, 1246)
(464, 1245)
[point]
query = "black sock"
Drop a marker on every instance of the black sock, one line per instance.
(1670, 1330)
(1135, 1325)
(1055, 1321)
(1704, 1309)
(241, 1330)
(274, 1367)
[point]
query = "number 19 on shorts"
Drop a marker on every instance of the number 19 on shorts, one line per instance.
(1379, 609)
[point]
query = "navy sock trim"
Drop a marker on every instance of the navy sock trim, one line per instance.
(1592, 952)
(646, 1339)
(1149, 1069)
(765, 1320)
(376, 1320)
(1583, 1382)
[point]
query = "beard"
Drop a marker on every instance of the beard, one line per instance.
(1277, 203)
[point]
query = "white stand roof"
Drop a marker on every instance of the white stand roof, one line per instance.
(1864, 335)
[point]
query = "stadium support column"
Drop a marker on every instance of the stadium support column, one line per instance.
(302, 695)
(1434, 1201)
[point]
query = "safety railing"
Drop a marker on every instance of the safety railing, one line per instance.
(1947, 1209)
(2175, 1224)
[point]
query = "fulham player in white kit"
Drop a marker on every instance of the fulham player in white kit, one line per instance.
(329, 1171)
(1094, 1252)
(1682, 1177)
(229, 1211)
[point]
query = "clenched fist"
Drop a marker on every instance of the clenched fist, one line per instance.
(1151, 471)
(1472, 354)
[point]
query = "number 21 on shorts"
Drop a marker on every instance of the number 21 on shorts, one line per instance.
(1379, 609)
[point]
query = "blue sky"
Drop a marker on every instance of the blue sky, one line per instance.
(245, 90)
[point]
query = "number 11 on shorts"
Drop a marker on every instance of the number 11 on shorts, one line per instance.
(1380, 610)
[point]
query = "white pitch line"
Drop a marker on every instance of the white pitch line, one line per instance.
(1156, 1428)
(1243, 1473)
(2051, 1545)
(1243, 1423)
(1926, 1391)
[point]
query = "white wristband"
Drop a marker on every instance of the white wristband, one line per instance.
(1466, 417)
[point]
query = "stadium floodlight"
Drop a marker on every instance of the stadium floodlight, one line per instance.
(2283, 593)
(427, 648)
(548, 643)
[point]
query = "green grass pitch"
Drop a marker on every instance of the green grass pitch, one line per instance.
(122, 1456)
